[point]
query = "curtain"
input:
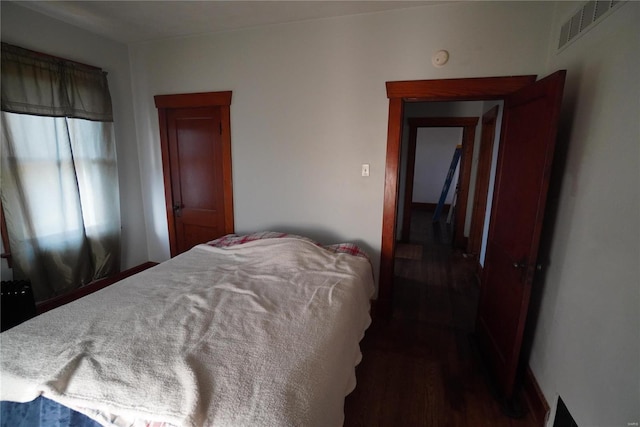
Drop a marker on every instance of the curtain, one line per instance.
(42, 85)
(59, 175)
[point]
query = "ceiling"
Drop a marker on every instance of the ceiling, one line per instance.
(139, 21)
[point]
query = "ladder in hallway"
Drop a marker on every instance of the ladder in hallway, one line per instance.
(447, 182)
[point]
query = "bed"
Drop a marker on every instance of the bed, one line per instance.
(254, 330)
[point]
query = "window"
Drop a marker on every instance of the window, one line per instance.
(59, 175)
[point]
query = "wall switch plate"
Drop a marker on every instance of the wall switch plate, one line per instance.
(365, 169)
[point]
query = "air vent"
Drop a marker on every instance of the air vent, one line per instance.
(589, 14)
(574, 25)
(601, 8)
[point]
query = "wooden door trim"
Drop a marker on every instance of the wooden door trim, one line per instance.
(422, 90)
(168, 188)
(537, 403)
(468, 125)
(227, 182)
(408, 179)
(388, 247)
(195, 100)
(465, 89)
(483, 173)
(468, 139)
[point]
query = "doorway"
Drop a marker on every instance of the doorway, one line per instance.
(195, 142)
(400, 93)
(466, 140)
(525, 157)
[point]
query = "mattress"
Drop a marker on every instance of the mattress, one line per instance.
(263, 331)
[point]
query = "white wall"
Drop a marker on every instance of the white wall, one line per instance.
(434, 151)
(31, 30)
(309, 105)
(587, 340)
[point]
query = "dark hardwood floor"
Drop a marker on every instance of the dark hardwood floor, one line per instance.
(419, 367)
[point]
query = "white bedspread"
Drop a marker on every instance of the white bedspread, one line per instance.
(262, 334)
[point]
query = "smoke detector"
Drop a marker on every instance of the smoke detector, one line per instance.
(440, 58)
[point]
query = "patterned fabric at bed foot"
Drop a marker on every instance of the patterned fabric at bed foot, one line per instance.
(235, 239)
(41, 412)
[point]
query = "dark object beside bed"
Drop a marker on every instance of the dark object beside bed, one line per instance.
(18, 305)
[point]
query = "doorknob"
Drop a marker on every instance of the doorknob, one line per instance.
(177, 208)
(519, 264)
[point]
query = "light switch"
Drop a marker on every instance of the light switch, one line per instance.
(365, 169)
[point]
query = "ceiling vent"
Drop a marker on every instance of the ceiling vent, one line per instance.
(589, 14)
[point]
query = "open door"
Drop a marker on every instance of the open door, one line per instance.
(522, 179)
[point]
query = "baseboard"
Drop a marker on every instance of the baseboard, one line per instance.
(90, 288)
(536, 402)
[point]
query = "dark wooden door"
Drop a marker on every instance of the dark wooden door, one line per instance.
(196, 155)
(522, 178)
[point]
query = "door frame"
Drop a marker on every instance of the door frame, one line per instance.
(483, 176)
(195, 100)
(468, 125)
(399, 92)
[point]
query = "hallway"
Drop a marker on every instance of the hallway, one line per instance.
(419, 367)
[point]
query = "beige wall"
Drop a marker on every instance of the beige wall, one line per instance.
(587, 338)
(309, 105)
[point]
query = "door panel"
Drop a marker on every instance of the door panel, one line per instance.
(196, 175)
(522, 179)
(501, 325)
(193, 235)
(197, 141)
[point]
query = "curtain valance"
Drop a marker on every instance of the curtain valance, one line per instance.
(37, 84)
